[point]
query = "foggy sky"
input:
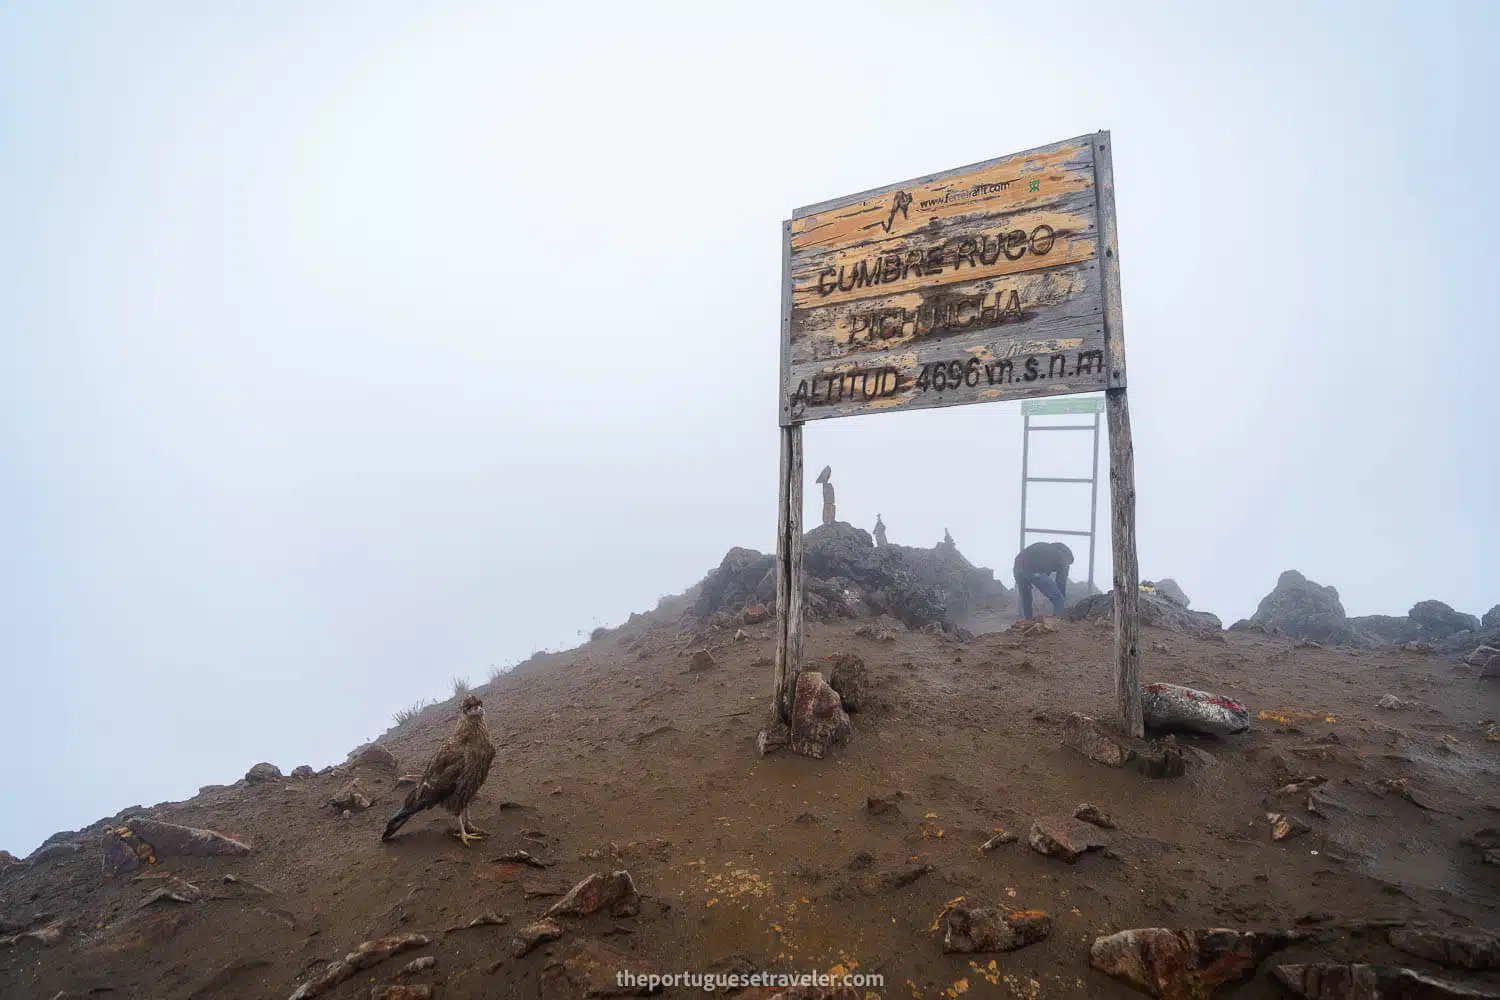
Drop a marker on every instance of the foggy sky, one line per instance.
(346, 348)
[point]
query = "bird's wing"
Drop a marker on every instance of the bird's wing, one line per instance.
(439, 780)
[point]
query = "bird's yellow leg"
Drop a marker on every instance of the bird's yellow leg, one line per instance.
(463, 831)
(469, 825)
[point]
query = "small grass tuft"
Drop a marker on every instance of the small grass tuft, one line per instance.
(460, 688)
(407, 714)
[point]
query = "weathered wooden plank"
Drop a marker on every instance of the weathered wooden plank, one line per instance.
(1114, 313)
(789, 611)
(1015, 303)
(942, 253)
(784, 580)
(997, 262)
(1127, 570)
(1018, 182)
(976, 368)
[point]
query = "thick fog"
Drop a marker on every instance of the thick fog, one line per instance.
(346, 348)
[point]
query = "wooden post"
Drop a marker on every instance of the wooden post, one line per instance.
(788, 574)
(1127, 571)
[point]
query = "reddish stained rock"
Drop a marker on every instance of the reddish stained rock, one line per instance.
(616, 891)
(1090, 738)
(1184, 965)
(756, 613)
(1332, 981)
(1461, 949)
(819, 721)
(1065, 837)
(985, 929)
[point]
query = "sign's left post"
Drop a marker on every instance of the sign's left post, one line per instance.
(789, 519)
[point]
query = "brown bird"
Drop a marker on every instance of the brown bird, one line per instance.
(454, 775)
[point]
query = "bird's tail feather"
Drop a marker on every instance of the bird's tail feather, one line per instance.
(395, 824)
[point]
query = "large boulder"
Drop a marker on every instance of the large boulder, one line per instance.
(1176, 708)
(1491, 618)
(1154, 610)
(847, 576)
(744, 577)
(1172, 591)
(1437, 620)
(818, 718)
(1302, 609)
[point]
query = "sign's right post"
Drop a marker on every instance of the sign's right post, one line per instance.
(1127, 600)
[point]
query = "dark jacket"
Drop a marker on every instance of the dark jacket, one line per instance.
(1044, 557)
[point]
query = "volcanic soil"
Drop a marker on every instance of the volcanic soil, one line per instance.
(616, 756)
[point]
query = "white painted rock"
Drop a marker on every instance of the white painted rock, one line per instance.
(1174, 707)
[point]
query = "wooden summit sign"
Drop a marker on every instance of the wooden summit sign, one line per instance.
(995, 281)
(988, 282)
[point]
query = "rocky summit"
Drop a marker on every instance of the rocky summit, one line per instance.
(956, 812)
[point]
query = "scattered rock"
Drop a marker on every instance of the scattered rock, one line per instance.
(819, 721)
(1065, 838)
(523, 858)
(1417, 646)
(1391, 703)
(1460, 949)
(402, 991)
(614, 891)
(1154, 609)
(978, 929)
(47, 936)
(701, 660)
(366, 955)
(123, 852)
(1184, 964)
(1174, 707)
(303, 771)
(418, 965)
(903, 877)
(376, 756)
(1334, 981)
(740, 635)
(756, 613)
(168, 840)
(350, 798)
(483, 920)
(591, 971)
(263, 772)
(175, 891)
(770, 740)
(847, 675)
(1094, 741)
(1003, 837)
(48, 852)
(1285, 826)
(1090, 813)
(1481, 656)
(1491, 618)
(532, 935)
(884, 805)
(1163, 759)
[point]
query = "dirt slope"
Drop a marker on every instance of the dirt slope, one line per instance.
(615, 756)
